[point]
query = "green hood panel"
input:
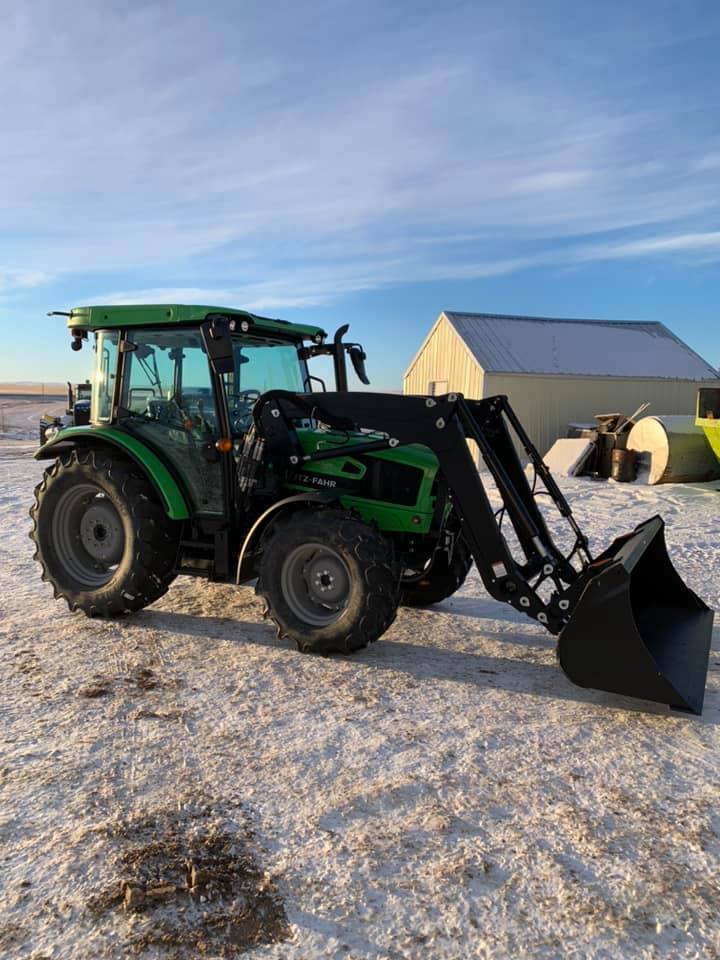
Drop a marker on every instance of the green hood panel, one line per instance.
(339, 473)
(414, 454)
(161, 478)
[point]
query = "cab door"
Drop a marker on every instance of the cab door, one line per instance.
(168, 401)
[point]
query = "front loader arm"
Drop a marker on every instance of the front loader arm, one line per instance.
(444, 424)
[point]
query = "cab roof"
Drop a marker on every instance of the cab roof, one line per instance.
(172, 314)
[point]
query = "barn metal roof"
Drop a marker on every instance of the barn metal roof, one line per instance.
(602, 348)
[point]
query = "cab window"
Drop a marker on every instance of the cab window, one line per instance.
(260, 366)
(168, 401)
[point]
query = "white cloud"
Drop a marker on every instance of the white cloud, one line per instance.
(288, 155)
(551, 180)
(677, 243)
(710, 161)
(18, 280)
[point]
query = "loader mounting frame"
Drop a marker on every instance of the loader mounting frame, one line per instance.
(615, 632)
(444, 424)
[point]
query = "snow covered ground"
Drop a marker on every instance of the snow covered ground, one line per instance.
(20, 414)
(445, 794)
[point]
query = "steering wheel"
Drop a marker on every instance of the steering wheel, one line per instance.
(241, 405)
(173, 415)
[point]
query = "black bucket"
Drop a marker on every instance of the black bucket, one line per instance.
(637, 629)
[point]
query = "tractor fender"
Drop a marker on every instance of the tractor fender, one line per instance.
(286, 504)
(166, 486)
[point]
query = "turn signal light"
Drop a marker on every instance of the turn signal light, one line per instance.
(224, 445)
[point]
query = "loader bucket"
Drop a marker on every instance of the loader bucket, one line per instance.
(637, 629)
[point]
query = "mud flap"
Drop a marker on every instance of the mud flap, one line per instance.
(637, 629)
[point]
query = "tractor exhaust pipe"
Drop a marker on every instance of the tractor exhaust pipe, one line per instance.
(341, 381)
(637, 629)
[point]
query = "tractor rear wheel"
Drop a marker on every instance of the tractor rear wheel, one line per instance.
(101, 537)
(440, 581)
(328, 580)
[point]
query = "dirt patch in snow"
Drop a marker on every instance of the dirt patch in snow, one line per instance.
(189, 885)
(140, 678)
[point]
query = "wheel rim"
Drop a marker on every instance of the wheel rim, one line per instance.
(315, 582)
(88, 535)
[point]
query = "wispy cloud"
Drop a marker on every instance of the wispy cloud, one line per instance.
(22, 279)
(309, 286)
(678, 243)
(280, 155)
(709, 161)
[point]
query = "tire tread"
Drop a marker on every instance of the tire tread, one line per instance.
(155, 543)
(347, 531)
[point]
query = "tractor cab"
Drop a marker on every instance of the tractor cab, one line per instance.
(181, 382)
(166, 393)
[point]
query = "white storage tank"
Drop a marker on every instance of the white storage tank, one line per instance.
(672, 449)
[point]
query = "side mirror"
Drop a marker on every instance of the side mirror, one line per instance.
(358, 358)
(217, 341)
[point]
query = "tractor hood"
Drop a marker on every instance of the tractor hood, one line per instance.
(414, 455)
(393, 487)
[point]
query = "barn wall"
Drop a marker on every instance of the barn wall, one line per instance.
(444, 356)
(545, 405)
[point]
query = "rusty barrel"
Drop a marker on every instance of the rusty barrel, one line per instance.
(623, 465)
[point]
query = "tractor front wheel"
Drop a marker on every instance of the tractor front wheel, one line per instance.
(101, 536)
(328, 580)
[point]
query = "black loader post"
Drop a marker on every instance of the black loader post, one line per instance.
(625, 621)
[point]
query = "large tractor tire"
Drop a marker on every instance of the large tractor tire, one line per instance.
(328, 580)
(440, 581)
(101, 536)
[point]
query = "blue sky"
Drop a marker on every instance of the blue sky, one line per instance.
(373, 163)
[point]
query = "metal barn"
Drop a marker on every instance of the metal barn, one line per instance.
(559, 371)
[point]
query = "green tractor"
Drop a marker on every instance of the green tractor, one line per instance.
(208, 454)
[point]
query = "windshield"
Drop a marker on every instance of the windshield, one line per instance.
(260, 367)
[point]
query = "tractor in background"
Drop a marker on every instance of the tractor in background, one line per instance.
(77, 412)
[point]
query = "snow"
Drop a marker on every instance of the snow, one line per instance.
(542, 345)
(20, 414)
(445, 794)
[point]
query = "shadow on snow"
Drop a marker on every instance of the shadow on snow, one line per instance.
(426, 662)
